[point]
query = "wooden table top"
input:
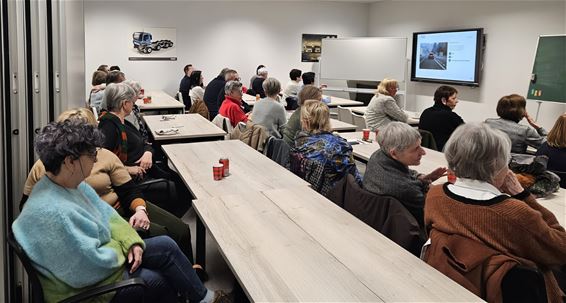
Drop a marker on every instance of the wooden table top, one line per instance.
(330, 256)
(337, 101)
(159, 100)
(249, 169)
(189, 126)
(249, 99)
(340, 126)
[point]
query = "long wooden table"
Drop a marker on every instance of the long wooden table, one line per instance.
(160, 101)
(335, 124)
(294, 245)
(191, 128)
(413, 116)
(337, 101)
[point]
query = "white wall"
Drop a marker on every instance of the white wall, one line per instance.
(512, 29)
(213, 35)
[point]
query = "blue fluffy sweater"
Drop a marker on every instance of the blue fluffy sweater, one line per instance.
(74, 238)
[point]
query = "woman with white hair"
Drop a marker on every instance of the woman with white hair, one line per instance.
(197, 98)
(488, 205)
(383, 108)
(231, 107)
(388, 172)
(268, 111)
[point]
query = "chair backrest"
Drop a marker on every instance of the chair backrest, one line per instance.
(359, 122)
(345, 115)
(180, 97)
(292, 103)
(523, 284)
(427, 139)
(562, 176)
(223, 123)
(36, 290)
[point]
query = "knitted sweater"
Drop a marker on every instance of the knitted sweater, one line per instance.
(518, 227)
(271, 114)
(76, 242)
(382, 110)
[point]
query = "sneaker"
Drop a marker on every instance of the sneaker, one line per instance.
(221, 296)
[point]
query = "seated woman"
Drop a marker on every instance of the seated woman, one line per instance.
(511, 110)
(488, 206)
(316, 142)
(383, 108)
(81, 241)
(268, 111)
(231, 107)
(197, 99)
(124, 139)
(440, 119)
(136, 118)
(388, 173)
(293, 126)
(111, 181)
(555, 148)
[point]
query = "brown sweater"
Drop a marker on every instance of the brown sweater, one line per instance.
(521, 229)
(107, 172)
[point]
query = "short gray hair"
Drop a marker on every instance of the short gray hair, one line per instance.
(262, 71)
(196, 93)
(271, 86)
(232, 86)
(477, 151)
(397, 136)
(116, 94)
(72, 137)
(135, 85)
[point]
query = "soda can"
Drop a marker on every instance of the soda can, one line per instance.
(226, 164)
(451, 177)
(365, 133)
(217, 171)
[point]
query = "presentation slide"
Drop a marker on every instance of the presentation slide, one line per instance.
(446, 56)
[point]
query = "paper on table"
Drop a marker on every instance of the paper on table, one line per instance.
(167, 131)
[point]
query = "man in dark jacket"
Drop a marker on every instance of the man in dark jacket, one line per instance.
(185, 85)
(213, 89)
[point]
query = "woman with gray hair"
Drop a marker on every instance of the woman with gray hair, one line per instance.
(231, 107)
(488, 206)
(388, 172)
(383, 108)
(136, 117)
(198, 106)
(81, 241)
(268, 111)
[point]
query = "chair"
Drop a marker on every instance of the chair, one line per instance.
(223, 123)
(37, 291)
(562, 176)
(523, 284)
(180, 97)
(427, 140)
(345, 115)
(359, 122)
(292, 103)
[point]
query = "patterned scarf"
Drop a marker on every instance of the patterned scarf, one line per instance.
(122, 149)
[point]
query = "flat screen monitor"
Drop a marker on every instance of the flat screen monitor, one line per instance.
(451, 57)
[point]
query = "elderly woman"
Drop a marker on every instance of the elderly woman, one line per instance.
(81, 241)
(383, 108)
(97, 91)
(316, 142)
(111, 181)
(440, 119)
(388, 172)
(268, 111)
(231, 107)
(136, 117)
(198, 107)
(488, 205)
(293, 126)
(511, 110)
(124, 139)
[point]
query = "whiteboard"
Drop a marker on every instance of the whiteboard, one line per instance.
(370, 59)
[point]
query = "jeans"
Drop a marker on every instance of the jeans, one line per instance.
(166, 271)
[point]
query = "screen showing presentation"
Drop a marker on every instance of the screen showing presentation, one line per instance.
(447, 57)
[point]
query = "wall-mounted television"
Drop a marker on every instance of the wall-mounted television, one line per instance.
(451, 57)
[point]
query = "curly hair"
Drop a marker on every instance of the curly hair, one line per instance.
(58, 140)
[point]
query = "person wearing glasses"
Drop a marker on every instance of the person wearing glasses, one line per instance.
(231, 107)
(383, 108)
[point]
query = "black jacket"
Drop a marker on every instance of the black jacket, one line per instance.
(257, 86)
(211, 93)
(184, 88)
(441, 121)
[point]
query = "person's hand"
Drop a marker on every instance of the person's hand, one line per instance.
(135, 257)
(511, 184)
(531, 121)
(139, 219)
(435, 174)
(136, 171)
(146, 160)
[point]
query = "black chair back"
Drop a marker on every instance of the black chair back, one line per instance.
(523, 284)
(292, 103)
(36, 290)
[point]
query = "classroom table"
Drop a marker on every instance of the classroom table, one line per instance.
(249, 99)
(294, 245)
(160, 102)
(335, 124)
(413, 116)
(362, 151)
(191, 128)
(248, 168)
(337, 101)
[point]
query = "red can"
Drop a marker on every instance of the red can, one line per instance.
(217, 171)
(226, 164)
(451, 177)
(146, 100)
(365, 136)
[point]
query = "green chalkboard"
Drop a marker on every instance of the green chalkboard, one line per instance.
(548, 81)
